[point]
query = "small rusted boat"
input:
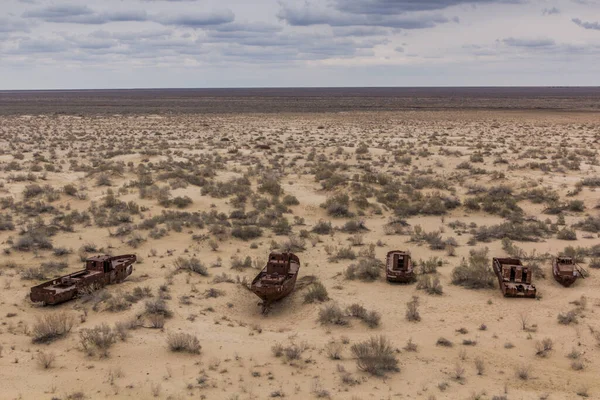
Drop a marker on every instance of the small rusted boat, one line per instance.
(514, 278)
(399, 267)
(277, 279)
(565, 271)
(99, 271)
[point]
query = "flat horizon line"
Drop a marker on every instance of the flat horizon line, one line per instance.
(300, 88)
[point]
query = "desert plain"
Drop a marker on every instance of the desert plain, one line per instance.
(202, 199)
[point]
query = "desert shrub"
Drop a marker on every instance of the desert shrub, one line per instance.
(237, 263)
(103, 180)
(332, 314)
(289, 200)
(354, 226)
(343, 253)
(158, 307)
(375, 356)
(372, 319)
(566, 234)
(138, 293)
(51, 327)
(591, 181)
(191, 264)
(567, 318)
(543, 347)
(443, 342)
(117, 302)
(322, 227)
(282, 227)
(429, 266)
(412, 309)
(33, 240)
(212, 293)
(98, 339)
(246, 232)
(523, 372)
(61, 251)
(70, 189)
(475, 273)
(32, 273)
(181, 202)
(6, 222)
(366, 270)
(334, 350)
(136, 240)
(45, 360)
(594, 263)
(431, 284)
(338, 205)
(576, 206)
(590, 224)
(183, 342)
(521, 231)
(270, 185)
(316, 292)
(32, 190)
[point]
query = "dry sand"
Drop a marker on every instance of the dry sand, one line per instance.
(236, 360)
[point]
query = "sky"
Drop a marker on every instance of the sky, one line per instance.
(79, 44)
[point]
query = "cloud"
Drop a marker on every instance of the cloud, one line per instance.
(394, 7)
(532, 43)
(550, 11)
(198, 20)
(308, 15)
(587, 25)
(8, 25)
(76, 14)
(360, 31)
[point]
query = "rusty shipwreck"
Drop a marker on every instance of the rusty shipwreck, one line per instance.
(99, 271)
(277, 279)
(566, 271)
(514, 278)
(399, 267)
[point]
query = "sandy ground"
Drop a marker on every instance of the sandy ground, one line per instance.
(236, 360)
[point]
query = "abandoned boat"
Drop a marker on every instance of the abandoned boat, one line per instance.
(99, 271)
(277, 279)
(565, 271)
(514, 278)
(399, 267)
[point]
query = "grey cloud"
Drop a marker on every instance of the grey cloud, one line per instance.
(360, 31)
(311, 15)
(550, 11)
(250, 27)
(388, 7)
(75, 14)
(8, 25)
(587, 25)
(41, 46)
(399, 49)
(198, 20)
(534, 43)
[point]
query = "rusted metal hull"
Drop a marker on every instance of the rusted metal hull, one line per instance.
(277, 279)
(399, 267)
(564, 271)
(99, 272)
(271, 293)
(513, 278)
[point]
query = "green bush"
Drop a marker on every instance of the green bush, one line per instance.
(475, 273)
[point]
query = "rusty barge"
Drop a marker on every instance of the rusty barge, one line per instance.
(514, 278)
(277, 279)
(399, 267)
(566, 271)
(99, 271)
